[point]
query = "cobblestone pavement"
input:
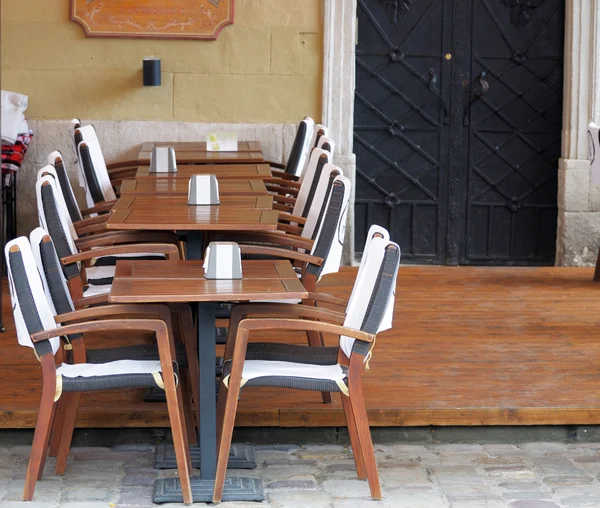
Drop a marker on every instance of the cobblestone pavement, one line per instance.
(530, 475)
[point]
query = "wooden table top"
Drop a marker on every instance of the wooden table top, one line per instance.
(195, 156)
(183, 281)
(160, 202)
(223, 171)
(194, 218)
(179, 186)
(200, 146)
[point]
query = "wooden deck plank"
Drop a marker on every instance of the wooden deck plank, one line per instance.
(471, 346)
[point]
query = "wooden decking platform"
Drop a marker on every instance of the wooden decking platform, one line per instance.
(470, 346)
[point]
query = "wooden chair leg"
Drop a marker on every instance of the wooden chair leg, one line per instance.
(186, 449)
(180, 444)
(41, 436)
(315, 339)
(70, 406)
(57, 426)
(221, 404)
(188, 334)
(188, 412)
(359, 410)
(597, 270)
(225, 435)
(359, 460)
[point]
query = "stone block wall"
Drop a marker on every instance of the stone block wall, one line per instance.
(265, 68)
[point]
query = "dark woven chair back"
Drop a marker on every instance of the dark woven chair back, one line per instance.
(322, 161)
(51, 221)
(89, 172)
(371, 305)
(297, 158)
(56, 159)
(32, 312)
(328, 232)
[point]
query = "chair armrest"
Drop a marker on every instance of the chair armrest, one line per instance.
(94, 228)
(123, 164)
(103, 207)
(160, 311)
(283, 182)
(281, 253)
(149, 325)
(118, 237)
(91, 300)
(325, 298)
(303, 325)
(287, 240)
(171, 251)
(277, 173)
(278, 189)
(281, 207)
(91, 221)
(288, 228)
(278, 198)
(292, 218)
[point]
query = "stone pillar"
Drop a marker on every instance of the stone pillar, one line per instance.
(338, 94)
(578, 235)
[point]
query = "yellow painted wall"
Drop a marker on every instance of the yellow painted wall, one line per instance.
(265, 68)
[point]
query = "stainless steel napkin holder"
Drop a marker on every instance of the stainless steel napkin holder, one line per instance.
(203, 190)
(162, 160)
(223, 260)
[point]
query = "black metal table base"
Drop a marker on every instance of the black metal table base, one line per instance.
(168, 490)
(240, 457)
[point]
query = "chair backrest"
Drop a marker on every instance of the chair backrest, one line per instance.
(319, 201)
(375, 231)
(371, 306)
(300, 148)
(56, 159)
(318, 131)
(93, 166)
(31, 310)
(49, 267)
(50, 171)
(56, 221)
(326, 143)
(594, 147)
(329, 240)
(310, 180)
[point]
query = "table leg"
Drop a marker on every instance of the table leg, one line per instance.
(194, 244)
(168, 490)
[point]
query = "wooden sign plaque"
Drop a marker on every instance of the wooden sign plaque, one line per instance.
(153, 19)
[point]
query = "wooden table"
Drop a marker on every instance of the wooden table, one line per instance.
(183, 281)
(179, 186)
(198, 146)
(195, 153)
(151, 203)
(223, 171)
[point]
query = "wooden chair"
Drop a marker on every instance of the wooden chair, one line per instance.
(38, 327)
(80, 218)
(57, 294)
(291, 196)
(369, 311)
(105, 248)
(116, 171)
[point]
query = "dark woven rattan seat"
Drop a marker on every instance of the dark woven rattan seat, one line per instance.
(134, 352)
(90, 384)
(277, 352)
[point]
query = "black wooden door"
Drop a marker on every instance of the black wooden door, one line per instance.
(457, 127)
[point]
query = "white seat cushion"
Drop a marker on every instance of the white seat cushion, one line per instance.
(263, 368)
(100, 272)
(108, 369)
(97, 290)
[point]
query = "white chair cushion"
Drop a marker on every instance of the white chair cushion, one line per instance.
(97, 290)
(108, 369)
(263, 368)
